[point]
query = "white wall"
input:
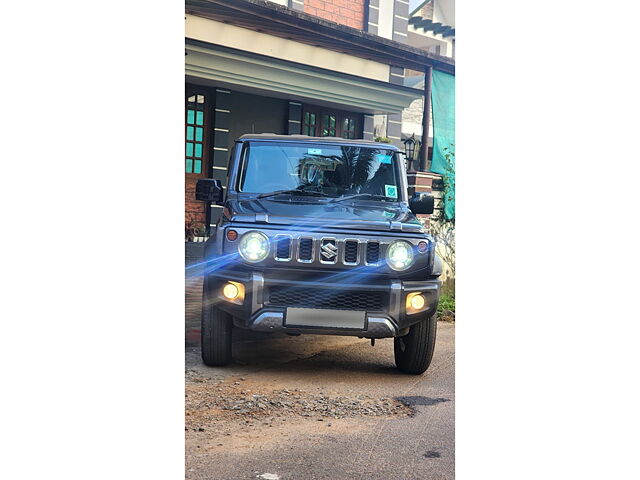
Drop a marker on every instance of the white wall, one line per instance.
(444, 11)
(385, 19)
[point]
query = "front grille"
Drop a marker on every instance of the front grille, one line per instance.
(283, 248)
(373, 252)
(306, 249)
(325, 298)
(351, 251)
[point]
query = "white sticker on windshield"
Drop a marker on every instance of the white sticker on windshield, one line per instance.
(391, 191)
(314, 151)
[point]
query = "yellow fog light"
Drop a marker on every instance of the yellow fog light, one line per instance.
(415, 302)
(230, 291)
(233, 292)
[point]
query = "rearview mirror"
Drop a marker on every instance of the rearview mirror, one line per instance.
(421, 203)
(209, 190)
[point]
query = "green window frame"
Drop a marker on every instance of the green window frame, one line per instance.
(194, 133)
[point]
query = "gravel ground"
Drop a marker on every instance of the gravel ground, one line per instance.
(230, 400)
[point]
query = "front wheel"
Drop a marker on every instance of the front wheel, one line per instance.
(215, 337)
(414, 351)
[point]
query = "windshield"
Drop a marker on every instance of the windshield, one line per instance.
(327, 170)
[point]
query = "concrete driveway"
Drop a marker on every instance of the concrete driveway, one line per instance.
(316, 407)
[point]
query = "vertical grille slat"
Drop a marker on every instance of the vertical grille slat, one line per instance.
(305, 251)
(373, 252)
(351, 251)
(283, 249)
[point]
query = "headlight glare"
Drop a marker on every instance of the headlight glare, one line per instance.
(254, 247)
(400, 255)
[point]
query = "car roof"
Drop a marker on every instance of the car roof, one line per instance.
(306, 138)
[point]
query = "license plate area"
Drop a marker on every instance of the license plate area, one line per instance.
(325, 318)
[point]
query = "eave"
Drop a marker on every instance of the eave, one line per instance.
(277, 20)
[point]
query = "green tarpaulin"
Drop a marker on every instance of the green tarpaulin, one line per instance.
(443, 100)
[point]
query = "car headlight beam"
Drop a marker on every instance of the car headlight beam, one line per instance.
(400, 255)
(254, 246)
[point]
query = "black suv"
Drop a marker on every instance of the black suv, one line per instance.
(317, 235)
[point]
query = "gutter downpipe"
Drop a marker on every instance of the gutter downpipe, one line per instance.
(424, 149)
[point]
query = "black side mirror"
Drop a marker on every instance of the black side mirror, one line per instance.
(209, 190)
(421, 203)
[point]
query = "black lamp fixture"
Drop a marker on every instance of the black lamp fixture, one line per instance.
(411, 150)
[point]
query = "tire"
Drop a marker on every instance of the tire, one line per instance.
(215, 336)
(414, 351)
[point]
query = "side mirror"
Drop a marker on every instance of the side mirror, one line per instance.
(209, 190)
(421, 203)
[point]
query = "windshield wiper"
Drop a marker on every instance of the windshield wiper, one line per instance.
(294, 191)
(373, 196)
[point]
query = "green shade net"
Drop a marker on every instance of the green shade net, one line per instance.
(443, 99)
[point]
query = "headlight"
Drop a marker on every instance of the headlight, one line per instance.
(254, 246)
(400, 255)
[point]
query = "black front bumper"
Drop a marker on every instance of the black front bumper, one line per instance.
(267, 300)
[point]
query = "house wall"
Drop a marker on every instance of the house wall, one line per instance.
(346, 12)
(256, 114)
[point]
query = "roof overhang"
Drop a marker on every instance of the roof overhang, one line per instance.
(280, 21)
(274, 77)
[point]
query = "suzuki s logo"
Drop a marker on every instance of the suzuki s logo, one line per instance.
(328, 251)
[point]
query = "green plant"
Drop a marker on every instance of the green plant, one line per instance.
(447, 303)
(382, 139)
(447, 308)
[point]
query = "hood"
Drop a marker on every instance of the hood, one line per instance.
(350, 214)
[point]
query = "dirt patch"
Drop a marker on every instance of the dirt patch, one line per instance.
(237, 400)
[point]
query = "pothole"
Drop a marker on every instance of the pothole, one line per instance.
(242, 402)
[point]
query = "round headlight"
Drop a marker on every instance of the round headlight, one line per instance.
(254, 246)
(400, 255)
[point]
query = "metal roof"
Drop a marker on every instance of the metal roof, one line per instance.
(305, 138)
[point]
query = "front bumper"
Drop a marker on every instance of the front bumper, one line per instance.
(261, 311)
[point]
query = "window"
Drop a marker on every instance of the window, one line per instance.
(323, 122)
(309, 125)
(328, 126)
(325, 169)
(349, 128)
(194, 134)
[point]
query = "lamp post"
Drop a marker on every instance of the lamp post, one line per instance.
(411, 149)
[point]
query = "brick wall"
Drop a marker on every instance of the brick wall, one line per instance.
(345, 12)
(194, 210)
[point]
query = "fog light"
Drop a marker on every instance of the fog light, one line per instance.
(230, 291)
(415, 302)
(233, 292)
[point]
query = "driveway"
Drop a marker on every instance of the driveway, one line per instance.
(319, 407)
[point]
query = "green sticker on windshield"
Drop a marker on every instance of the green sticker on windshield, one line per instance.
(383, 158)
(391, 191)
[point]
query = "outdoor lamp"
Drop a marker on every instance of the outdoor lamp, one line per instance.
(254, 246)
(400, 255)
(411, 149)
